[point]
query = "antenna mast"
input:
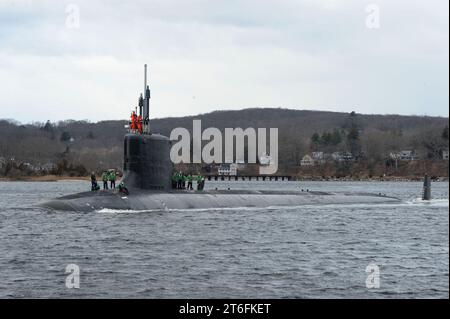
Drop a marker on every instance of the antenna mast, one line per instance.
(146, 115)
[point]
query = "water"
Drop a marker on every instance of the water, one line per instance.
(298, 252)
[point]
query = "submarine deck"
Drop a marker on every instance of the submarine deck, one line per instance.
(211, 199)
(134, 192)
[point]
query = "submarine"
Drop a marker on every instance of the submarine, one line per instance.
(147, 172)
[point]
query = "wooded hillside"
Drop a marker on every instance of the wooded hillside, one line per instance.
(82, 146)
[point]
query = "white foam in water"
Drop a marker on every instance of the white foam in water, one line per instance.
(415, 202)
(126, 211)
(130, 211)
(441, 202)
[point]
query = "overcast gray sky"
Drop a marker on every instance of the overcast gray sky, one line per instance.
(210, 55)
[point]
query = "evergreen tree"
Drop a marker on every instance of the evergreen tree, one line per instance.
(315, 139)
(445, 133)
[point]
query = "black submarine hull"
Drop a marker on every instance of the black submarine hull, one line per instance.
(140, 200)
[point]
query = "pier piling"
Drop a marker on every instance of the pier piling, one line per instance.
(426, 195)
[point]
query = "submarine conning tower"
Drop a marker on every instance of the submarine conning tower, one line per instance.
(147, 163)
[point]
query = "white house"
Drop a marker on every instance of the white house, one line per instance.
(48, 167)
(228, 169)
(408, 155)
(405, 155)
(342, 156)
(307, 161)
(318, 157)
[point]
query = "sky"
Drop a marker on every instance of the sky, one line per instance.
(84, 60)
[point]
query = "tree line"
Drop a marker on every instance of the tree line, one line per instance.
(98, 146)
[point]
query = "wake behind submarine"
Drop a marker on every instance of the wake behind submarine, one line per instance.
(147, 171)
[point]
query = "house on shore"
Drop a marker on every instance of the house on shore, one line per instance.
(318, 157)
(307, 161)
(342, 156)
(227, 169)
(405, 155)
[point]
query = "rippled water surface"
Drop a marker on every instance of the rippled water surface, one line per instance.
(298, 252)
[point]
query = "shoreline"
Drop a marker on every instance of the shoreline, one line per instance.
(57, 178)
(45, 178)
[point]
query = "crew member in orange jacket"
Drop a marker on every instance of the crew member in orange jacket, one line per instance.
(139, 124)
(133, 125)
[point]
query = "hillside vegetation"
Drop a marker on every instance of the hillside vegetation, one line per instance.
(78, 147)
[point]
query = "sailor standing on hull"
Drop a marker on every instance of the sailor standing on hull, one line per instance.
(112, 179)
(183, 181)
(105, 179)
(200, 182)
(189, 180)
(94, 185)
(180, 180)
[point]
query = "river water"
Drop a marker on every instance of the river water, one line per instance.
(296, 252)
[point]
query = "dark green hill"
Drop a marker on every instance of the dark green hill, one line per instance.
(99, 145)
